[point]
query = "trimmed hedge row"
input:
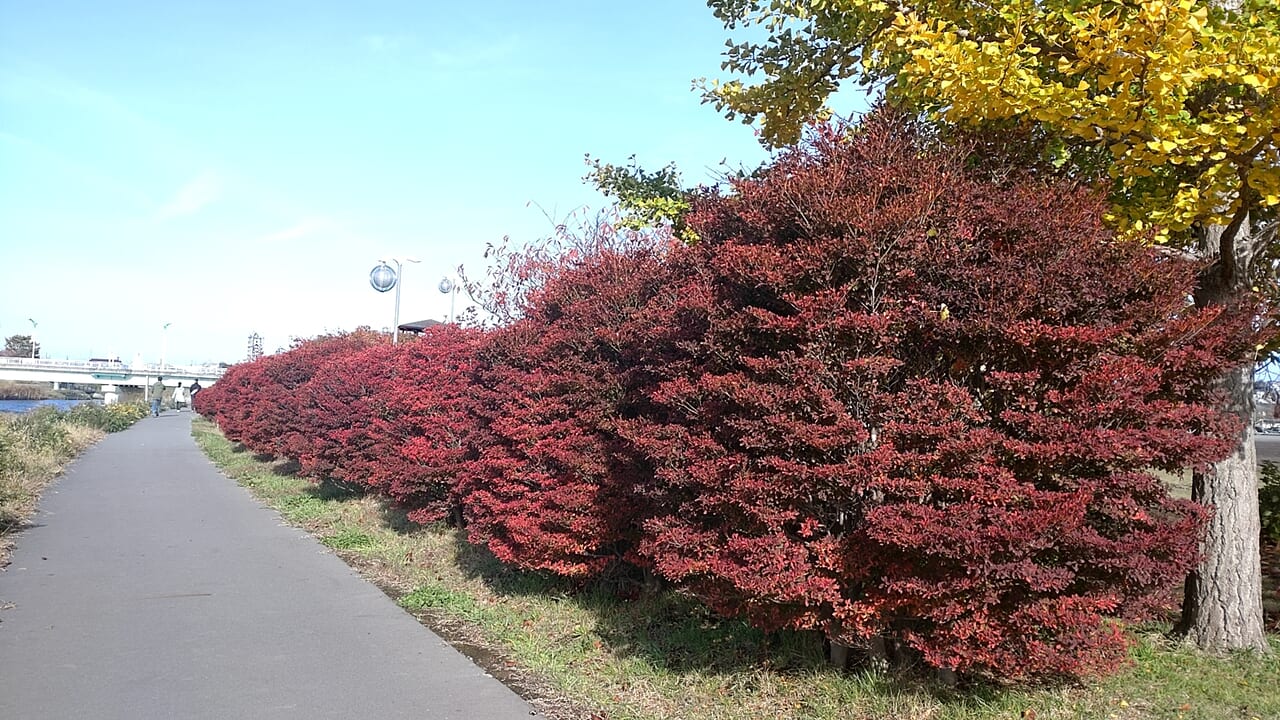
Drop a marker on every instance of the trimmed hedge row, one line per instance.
(884, 396)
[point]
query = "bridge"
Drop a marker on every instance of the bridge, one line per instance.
(108, 375)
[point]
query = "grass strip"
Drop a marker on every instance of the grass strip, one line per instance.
(598, 653)
(34, 448)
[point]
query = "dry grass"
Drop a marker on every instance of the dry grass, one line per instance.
(591, 652)
(26, 469)
(24, 391)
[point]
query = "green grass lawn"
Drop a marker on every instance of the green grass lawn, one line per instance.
(588, 653)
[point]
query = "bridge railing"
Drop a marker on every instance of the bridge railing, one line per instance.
(208, 370)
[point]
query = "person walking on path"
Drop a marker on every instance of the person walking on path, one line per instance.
(157, 397)
(179, 398)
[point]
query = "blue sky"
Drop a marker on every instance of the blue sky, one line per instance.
(235, 167)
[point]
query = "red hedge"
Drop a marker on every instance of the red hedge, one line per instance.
(552, 489)
(216, 400)
(274, 421)
(882, 396)
(897, 400)
(258, 404)
(343, 405)
(397, 419)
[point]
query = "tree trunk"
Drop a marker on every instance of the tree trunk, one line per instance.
(1222, 602)
(839, 655)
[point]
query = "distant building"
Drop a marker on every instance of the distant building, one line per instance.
(255, 347)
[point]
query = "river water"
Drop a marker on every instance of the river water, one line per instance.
(21, 406)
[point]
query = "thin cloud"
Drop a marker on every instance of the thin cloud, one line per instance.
(298, 230)
(42, 83)
(384, 44)
(476, 56)
(39, 84)
(198, 193)
(76, 170)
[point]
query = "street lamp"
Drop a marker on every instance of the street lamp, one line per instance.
(164, 343)
(449, 287)
(383, 278)
(34, 325)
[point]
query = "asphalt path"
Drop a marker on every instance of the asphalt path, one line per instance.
(151, 586)
(1268, 447)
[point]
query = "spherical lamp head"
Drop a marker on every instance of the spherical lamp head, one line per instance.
(382, 277)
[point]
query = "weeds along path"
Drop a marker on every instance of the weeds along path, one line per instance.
(149, 585)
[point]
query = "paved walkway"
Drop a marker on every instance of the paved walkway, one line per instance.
(154, 587)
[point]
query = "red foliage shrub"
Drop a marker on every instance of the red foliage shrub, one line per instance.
(340, 404)
(891, 398)
(220, 402)
(551, 488)
(396, 419)
(210, 404)
(434, 410)
(885, 395)
(261, 406)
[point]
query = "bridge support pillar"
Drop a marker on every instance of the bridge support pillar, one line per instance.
(110, 394)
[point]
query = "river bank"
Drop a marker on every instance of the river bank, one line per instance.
(26, 391)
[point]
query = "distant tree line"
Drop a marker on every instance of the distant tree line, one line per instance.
(20, 346)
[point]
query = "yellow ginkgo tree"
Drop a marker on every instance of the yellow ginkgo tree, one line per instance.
(1177, 101)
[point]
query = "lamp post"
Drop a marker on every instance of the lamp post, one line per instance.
(164, 343)
(449, 287)
(383, 278)
(34, 325)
